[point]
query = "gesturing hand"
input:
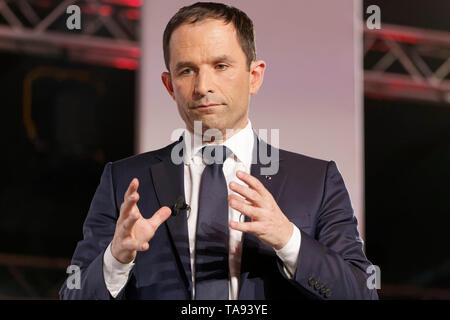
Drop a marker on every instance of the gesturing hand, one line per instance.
(133, 232)
(268, 223)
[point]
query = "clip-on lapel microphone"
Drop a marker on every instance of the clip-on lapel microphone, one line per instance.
(179, 205)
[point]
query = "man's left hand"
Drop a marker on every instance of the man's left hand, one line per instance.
(268, 223)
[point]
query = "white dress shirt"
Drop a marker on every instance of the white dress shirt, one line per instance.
(241, 145)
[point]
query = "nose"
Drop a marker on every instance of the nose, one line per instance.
(203, 83)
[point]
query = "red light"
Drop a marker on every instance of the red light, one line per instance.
(90, 9)
(399, 85)
(132, 14)
(400, 37)
(133, 3)
(125, 63)
(105, 10)
(134, 52)
(127, 3)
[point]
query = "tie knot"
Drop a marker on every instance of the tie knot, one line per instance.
(215, 154)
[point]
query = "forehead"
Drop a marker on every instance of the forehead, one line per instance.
(207, 37)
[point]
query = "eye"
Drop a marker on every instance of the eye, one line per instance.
(221, 66)
(185, 71)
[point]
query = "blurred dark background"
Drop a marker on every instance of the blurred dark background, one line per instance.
(68, 107)
(80, 120)
(407, 148)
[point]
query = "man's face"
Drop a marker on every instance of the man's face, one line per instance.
(209, 78)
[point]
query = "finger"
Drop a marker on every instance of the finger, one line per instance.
(130, 198)
(239, 198)
(251, 227)
(159, 217)
(144, 246)
(134, 185)
(130, 221)
(246, 192)
(246, 209)
(128, 205)
(252, 182)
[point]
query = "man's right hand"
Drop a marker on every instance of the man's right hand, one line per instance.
(133, 232)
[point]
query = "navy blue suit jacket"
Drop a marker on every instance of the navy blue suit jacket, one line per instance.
(310, 192)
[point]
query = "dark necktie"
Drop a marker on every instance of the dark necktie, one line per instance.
(211, 244)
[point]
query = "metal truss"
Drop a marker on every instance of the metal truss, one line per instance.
(108, 34)
(25, 270)
(407, 63)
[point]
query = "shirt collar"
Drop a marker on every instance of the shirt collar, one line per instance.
(241, 144)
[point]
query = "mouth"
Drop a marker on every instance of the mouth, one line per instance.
(208, 106)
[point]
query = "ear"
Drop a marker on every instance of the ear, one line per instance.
(167, 80)
(257, 69)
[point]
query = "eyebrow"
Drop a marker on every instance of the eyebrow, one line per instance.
(222, 58)
(183, 64)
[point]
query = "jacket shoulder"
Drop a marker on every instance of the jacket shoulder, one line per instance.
(144, 159)
(304, 168)
(302, 159)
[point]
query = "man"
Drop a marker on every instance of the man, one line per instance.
(247, 235)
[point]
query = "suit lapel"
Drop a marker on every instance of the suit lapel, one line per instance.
(168, 179)
(274, 184)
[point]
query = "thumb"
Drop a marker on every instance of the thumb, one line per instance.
(160, 216)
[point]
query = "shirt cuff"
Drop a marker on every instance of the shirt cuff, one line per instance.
(115, 272)
(290, 252)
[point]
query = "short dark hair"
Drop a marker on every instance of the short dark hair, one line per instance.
(212, 10)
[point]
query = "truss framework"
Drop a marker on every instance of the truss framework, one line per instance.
(108, 36)
(412, 48)
(18, 266)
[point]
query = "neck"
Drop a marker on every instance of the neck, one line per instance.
(218, 139)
